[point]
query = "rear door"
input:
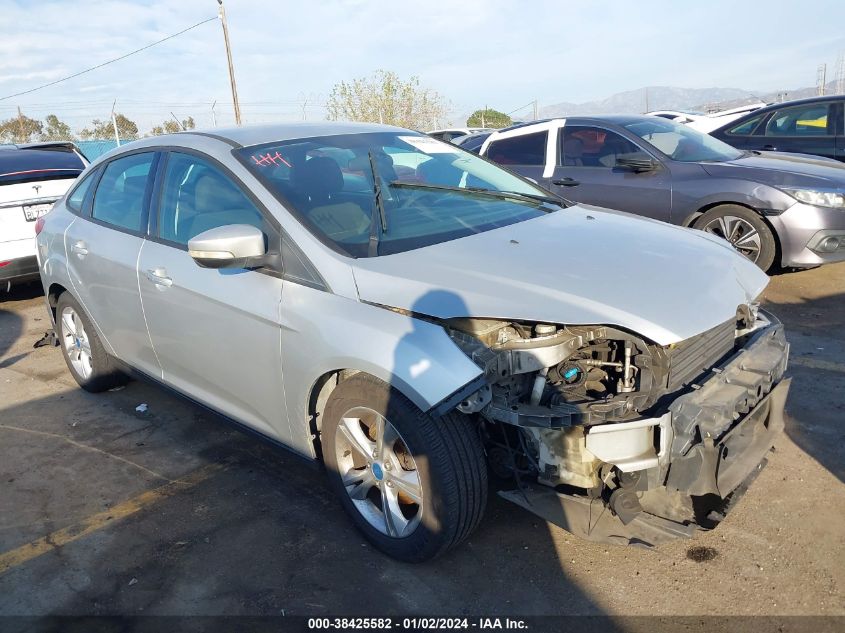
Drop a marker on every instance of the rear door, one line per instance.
(809, 128)
(217, 333)
(102, 247)
(586, 171)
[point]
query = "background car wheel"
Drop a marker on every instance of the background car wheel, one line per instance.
(744, 229)
(84, 354)
(413, 484)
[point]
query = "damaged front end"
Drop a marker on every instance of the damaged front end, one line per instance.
(618, 439)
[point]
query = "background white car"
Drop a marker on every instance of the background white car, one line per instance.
(32, 178)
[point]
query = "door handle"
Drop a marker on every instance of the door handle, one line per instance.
(769, 148)
(80, 249)
(566, 182)
(159, 277)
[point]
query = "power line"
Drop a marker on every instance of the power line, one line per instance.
(111, 61)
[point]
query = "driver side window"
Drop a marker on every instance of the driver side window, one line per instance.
(586, 146)
(198, 196)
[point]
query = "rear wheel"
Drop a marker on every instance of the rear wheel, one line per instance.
(86, 358)
(413, 484)
(746, 231)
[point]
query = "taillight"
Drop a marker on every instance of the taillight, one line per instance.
(39, 225)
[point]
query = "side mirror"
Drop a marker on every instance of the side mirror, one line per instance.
(636, 163)
(229, 246)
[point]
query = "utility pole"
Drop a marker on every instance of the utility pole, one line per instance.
(21, 126)
(840, 74)
(114, 123)
(222, 13)
(213, 114)
(646, 99)
(535, 109)
(821, 79)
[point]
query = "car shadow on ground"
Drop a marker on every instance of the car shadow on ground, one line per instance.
(815, 328)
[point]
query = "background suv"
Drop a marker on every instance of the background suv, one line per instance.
(32, 177)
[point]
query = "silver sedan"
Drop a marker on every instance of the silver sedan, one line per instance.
(416, 318)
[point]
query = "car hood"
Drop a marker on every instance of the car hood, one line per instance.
(582, 265)
(778, 168)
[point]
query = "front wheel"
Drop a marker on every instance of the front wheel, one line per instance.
(746, 231)
(413, 484)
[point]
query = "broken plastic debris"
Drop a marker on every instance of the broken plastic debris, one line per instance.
(133, 581)
(141, 408)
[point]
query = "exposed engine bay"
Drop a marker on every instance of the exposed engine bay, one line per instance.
(596, 414)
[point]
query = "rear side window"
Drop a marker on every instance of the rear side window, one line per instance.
(746, 128)
(32, 165)
(75, 200)
(119, 199)
(527, 149)
(198, 196)
(803, 120)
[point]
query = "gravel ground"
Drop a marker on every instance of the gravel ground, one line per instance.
(263, 535)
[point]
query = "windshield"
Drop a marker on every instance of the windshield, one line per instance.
(427, 191)
(682, 143)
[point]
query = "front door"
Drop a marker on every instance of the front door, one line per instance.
(216, 333)
(102, 255)
(586, 171)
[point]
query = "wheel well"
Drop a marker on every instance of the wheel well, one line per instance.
(688, 222)
(53, 294)
(317, 400)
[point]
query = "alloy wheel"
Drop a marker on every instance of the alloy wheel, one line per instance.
(76, 343)
(739, 232)
(378, 472)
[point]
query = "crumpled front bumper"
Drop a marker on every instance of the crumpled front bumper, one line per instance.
(721, 432)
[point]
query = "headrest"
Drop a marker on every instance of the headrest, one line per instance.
(318, 176)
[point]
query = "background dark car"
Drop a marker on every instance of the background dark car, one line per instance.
(809, 126)
(772, 207)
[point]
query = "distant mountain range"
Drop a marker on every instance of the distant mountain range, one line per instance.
(674, 98)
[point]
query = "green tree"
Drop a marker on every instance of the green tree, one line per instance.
(126, 129)
(386, 98)
(170, 126)
(56, 130)
(488, 118)
(20, 129)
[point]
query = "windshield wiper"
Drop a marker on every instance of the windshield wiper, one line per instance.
(379, 202)
(478, 191)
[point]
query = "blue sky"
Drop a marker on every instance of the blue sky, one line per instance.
(473, 52)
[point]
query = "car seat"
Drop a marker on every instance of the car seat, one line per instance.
(318, 181)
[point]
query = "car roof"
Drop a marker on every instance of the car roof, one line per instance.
(786, 104)
(267, 133)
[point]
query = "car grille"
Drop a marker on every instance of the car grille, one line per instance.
(690, 358)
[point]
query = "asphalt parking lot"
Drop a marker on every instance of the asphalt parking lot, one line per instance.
(107, 510)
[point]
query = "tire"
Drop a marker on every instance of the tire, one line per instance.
(89, 363)
(444, 456)
(747, 232)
